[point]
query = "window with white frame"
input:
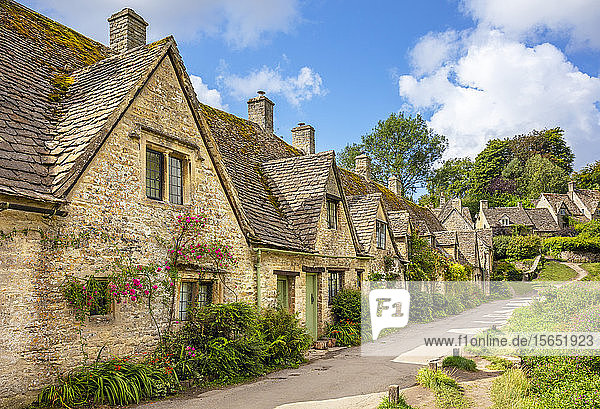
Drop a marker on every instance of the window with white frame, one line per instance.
(504, 221)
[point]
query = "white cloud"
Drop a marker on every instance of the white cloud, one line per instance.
(576, 18)
(206, 95)
(432, 51)
(241, 23)
(499, 87)
(295, 89)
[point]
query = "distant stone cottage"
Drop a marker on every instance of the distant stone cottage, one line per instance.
(113, 140)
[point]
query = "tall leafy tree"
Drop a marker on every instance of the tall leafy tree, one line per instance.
(542, 175)
(488, 166)
(345, 158)
(588, 177)
(548, 143)
(403, 146)
(450, 180)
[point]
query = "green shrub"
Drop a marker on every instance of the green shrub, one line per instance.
(501, 244)
(115, 382)
(346, 333)
(460, 363)
(505, 271)
(386, 404)
(434, 379)
(286, 340)
(448, 394)
(346, 305)
(522, 247)
(509, 389)
(498, 363)
(555, 245)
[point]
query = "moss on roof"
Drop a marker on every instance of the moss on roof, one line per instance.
(38, 27)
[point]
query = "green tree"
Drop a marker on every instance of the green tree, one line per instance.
(450, 180)
(588, 177)
(345, 158)
(403, 146)
(488, 166)
(548, 143)
(542, 175)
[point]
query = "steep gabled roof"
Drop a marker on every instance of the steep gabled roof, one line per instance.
(542, 219)
(589, 197)
(37, 56)
(557, 199)
(363, 210)
(422, 218)
(516, 215)
(300, 183)
(399, 222)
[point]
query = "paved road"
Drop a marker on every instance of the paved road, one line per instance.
(349, 372)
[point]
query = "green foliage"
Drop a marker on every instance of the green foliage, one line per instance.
(346, 333)
(489, 164)
(346, 305)
(286, 340)
(548, 143)
(429, 264)
(86, 296)
(116, 382)
(523, 247)
(451, 180)
(497, 363)
(590, 229)
(509, 389)
(588, 177)
(233, 341)
(403, 146)
(505, 271)
(346, 157)
(448, 394)
(460, 363)
(386, 404)
(428, 306)
(542, 175)
(501, 244)
(593, 270)
(555, 245)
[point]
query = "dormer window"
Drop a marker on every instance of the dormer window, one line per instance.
(562, 211)
(380, 229)
(332, 216)
(504, 221)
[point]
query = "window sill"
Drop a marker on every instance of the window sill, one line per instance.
(164, 203)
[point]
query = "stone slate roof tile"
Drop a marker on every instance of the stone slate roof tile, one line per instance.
(589, 197)
(422, 218)
(516, 215)
(542, 220)
(399, 222)
(300, 183)
(556, 199)
(244, 147)
(363, 210)
(467, 247)
(36, 57)
(445, 238)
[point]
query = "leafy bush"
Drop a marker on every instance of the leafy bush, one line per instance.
(115, 382)
(522, 247)
(386, 404)
(505, 271)
(460, 363)
(509, 389)
(434, 379)
(501, 244)
(582, 242)
(448, 394)
(498, 363)
(286, 340)
(346, 305)
(346, 333)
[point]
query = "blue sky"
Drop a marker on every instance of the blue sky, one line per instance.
(476, 69)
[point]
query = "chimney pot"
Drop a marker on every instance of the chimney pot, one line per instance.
(303, 138)
(362, 166)
(457, 204)
(442, 201)
(260, 110)
(127, 30)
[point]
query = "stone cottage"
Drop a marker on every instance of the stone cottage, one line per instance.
(100, 141)
(580, 204)
(503, 220)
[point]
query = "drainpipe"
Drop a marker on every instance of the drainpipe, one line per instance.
(258, 283)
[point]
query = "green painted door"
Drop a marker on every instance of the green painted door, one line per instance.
(311, 305)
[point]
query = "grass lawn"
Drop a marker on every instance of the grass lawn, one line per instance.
(554, 271)
(594, 271)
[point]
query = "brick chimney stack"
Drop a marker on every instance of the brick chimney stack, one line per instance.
(362, 166)
(483, 204)
(571, 189)
(127, 30)
(303, 138)
(260, 110)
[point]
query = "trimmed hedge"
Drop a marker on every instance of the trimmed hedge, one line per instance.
(516, 247)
